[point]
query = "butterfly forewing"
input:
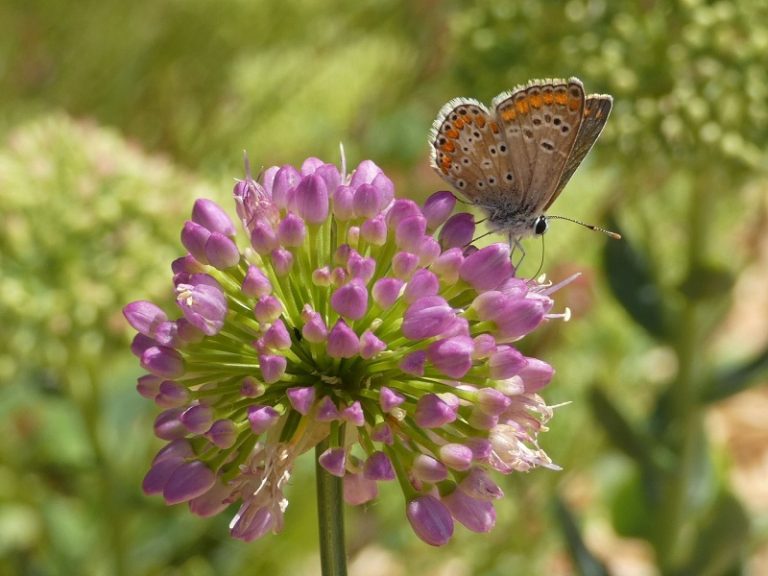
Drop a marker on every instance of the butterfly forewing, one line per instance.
(469, 150)
(597, 108)
(514, 160)
(540, 122)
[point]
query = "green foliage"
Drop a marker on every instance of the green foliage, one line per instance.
(90, 222)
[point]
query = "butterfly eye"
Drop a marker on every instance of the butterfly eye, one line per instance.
(540, 225)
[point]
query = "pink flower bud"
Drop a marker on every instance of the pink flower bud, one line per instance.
(286, 179)
(386, 291)
(358, 489)
(374, 230)
(505, 362)
(428, 469)
(452, 356)
(427, 317)
(456, 456)
(413, 363)
(367, 201)
(447, 265)
(327, 410)
(401, 209)
(148, 386)
(314, 329)
(255, 283)
(211, 216)
(479, 485)
(311, 199)
(389, 399)
(342, 203)
(197, 418)
(282, 260)
(267, 309)
(370, 345)
(487, 268)
(263, 237)
(171, 395)
(404, 264)
(354, 414)
(423, 283)
(222, 433)
(272, 367)
(361, 268)
(342, 341)
(301, 398)
(144, 317)
(409, 232)
(491, 401)
(221, 252)
(536, 374)
(163, 361)
(188, 481)
(433, 412)
(291, 231)
(168, 426)
(378, 467)
(458, 231)
(351, 300)
(193, 237)
(475, 515)
(262, 418)
(277, 337)
(334, 461)
(438, 208)
(430, 520)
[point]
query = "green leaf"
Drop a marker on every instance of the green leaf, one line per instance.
(619, 430)
(734, 380)
(633, 285)
(707, 281)
(631, 513)
(722, 539)
(584, 561)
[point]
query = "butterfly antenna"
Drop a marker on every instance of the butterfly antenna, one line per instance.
(609, 233)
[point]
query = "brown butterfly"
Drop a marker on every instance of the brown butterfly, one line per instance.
(515, 159)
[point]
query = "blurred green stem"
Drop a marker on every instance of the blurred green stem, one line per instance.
(330, 514)
(89, 401)
(686, 412)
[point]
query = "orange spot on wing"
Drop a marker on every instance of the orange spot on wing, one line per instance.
(459, 124)
(535, 100)
(522, 106)
(480, 121)
(494, 127)
(508, 114)
(548, 98)
(452, 133)
(448, 147)
(574, 103)
(561, 98)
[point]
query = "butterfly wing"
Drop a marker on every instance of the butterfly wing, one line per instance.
(470, 152)
(597, 108)
(540, 123)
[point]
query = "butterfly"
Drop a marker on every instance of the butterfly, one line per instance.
(514, 160)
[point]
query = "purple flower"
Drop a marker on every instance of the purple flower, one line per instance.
(348, 311)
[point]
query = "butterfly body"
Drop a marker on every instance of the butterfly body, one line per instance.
(513, 160)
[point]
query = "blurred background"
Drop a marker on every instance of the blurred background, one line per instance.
(116, 115)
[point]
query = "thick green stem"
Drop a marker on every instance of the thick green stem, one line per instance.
(330, 514)
(687, 425)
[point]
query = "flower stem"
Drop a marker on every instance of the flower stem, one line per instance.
(330, 514)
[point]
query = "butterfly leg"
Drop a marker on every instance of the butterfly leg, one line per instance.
(515, 244)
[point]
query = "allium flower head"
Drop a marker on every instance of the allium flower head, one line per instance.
(350, 316)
